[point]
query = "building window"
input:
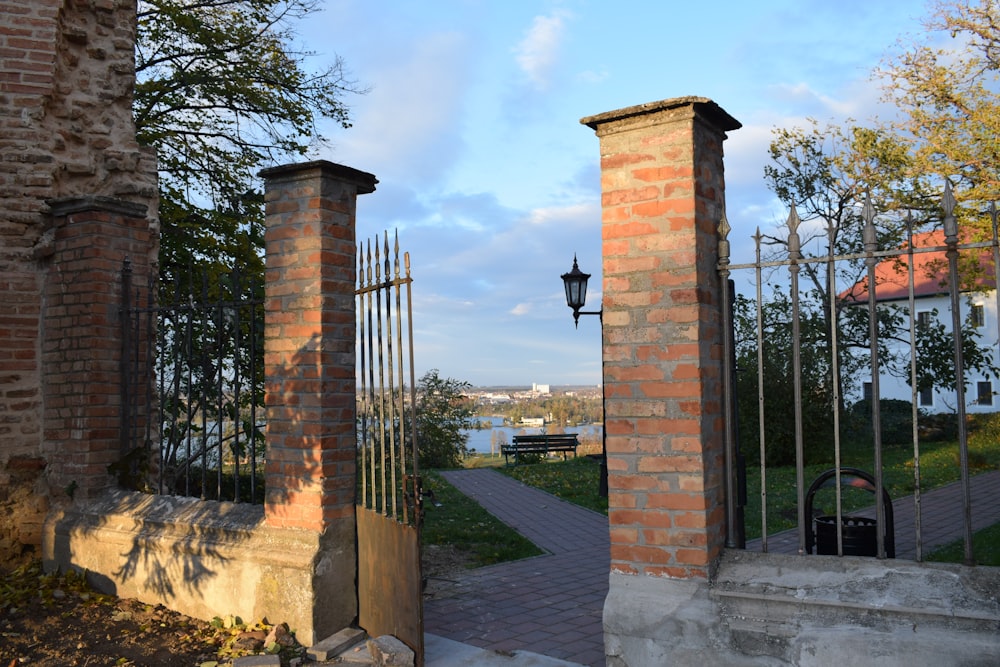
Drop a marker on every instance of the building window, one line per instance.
(923, 319)
(984, 393)
(977, 315)
(926, 397)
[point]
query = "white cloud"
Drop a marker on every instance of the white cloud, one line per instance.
(538, 52)
(405, 127)
(521, 309)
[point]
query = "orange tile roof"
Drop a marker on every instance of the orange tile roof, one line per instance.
(929, 273)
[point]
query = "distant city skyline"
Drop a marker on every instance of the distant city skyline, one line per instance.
(472, 128)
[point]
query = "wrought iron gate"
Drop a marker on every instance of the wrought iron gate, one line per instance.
(388, 505)
(925, 266)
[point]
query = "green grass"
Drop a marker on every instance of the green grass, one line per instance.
(482, 461)
(462, 523)
(985, 549)
(939, 465)
(575, 480)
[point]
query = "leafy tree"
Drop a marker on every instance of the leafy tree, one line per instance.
(827, 174)
(949, 96)
(443, 411)
(776, 345)
(222, 91)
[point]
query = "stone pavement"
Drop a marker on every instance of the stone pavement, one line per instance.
(550, 604)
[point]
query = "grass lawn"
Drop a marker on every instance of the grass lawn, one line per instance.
(938, 466)
(461, 522)
(464, 523)
(985, 549)
(575, 480)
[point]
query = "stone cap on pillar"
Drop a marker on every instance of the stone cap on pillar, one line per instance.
(63, 206)
(364, 181)
(702, 106)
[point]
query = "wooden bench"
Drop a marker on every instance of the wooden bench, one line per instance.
(539, 444)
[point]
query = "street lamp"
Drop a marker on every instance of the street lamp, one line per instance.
(576, 292)
(576, 295)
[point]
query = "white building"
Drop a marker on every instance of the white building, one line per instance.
(932, 303)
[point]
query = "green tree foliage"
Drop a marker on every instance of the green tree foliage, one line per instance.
(776, 352)
(829, 173)
(443, 411)
(946, 83)
(561, 409)
(779, 396)
(221, 92)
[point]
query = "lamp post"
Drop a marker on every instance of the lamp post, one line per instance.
(576, 296)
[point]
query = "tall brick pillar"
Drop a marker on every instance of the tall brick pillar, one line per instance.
(309, 366)
(309, 340)
(81, 348)
(662, 195)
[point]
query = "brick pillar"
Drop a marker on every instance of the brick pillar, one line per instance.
(309, 339)
(82, 335)
(662, 195)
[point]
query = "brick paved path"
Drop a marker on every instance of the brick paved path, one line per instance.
(552, 604)
(940, 517)
(549, 604)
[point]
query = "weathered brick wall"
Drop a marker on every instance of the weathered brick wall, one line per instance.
(66, 130)
(309, 343)
(662, 193)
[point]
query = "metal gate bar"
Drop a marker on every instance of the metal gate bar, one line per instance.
(388, 501)
(191, 384)
(871, 256)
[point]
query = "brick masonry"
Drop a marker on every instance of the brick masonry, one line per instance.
(309, 342)
(662, 194)
(66, 132)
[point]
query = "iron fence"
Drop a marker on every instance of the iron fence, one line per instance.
(833, 375)
(192, 387)
(388, 480)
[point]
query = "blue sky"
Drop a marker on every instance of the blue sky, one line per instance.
(472, 127)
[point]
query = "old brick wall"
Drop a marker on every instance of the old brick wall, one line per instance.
(662, 193)
(66, 131)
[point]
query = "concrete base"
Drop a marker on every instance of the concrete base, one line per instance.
(771, 609)
(208, 559)
(652, 621)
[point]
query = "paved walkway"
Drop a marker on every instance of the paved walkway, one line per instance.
(552, 604)
(549, 604)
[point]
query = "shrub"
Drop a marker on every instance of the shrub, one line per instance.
(895, 417)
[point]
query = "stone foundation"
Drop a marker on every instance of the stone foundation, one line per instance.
(207, 559)
(772, 609)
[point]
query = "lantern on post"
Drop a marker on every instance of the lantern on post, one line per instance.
(576, 296)
(576, 292)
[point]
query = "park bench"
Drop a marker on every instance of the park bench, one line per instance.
(539, 444)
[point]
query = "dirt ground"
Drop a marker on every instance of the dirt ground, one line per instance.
(58, 621)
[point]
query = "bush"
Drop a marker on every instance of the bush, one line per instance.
(895, 417)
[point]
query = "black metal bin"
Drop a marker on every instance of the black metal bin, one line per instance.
(859, 533)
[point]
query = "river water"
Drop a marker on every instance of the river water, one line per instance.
(481, 439)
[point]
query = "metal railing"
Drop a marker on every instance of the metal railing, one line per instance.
(388, 480)
(829, 330)
(192, 388)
